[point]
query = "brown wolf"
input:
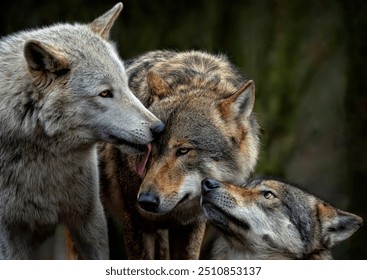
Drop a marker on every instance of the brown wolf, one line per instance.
(63, 89)
(206, 105)
(271, 219)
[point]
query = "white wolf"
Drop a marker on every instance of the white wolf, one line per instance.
(63, 89)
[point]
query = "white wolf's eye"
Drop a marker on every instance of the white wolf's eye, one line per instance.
(106, 94)
(268, 194)
(182, 151)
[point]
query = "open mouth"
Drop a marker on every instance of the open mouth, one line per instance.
(120, 141)
(141, 160)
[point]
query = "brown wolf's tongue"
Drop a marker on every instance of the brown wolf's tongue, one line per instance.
(142, 161)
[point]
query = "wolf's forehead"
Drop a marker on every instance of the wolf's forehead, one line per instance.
(203, 135)
(69, 37)
(80, 42)
(264, 183)
(198, 132)
(182, 113)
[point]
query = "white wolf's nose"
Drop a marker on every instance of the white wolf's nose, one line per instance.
(157, 128)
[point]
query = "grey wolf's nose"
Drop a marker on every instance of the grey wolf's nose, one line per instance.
(157, 129)
(148, 201)
(208, 185)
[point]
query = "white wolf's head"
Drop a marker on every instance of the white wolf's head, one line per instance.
(81, 88)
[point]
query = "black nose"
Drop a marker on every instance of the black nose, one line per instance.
(208, 185)
(148, 201)
(157, 129)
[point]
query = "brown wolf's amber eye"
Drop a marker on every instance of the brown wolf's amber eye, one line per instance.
(182, 151)
(106, 94)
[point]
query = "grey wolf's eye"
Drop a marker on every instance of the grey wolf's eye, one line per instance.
(106, 94)
(182, 151)
(268, 194)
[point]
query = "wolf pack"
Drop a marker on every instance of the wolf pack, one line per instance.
(164, 144)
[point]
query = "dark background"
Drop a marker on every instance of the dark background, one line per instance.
(307, 58)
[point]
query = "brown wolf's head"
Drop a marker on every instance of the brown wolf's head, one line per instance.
(272, 219)
(207, 133)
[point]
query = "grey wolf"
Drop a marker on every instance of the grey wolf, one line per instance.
(211, 130)
(63, 89)
(271, 219)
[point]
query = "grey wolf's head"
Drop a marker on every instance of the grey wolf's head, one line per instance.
(271, 219)
(206, 134)
(81, 88)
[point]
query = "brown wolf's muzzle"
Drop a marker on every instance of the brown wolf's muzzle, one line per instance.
(149, 201)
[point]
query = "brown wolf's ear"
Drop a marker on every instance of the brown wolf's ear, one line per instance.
(103, 24)
(43, 59)
(336, 225)
(239, 104)
(157, 86)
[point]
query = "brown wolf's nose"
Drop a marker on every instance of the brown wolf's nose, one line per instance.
(157, 129)
(208, 185)
(149, 201)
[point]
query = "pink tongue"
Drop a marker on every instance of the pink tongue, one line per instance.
(141, 162)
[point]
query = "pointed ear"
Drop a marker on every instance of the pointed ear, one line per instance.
(157, 86)
(103, 24)
(337, 225)
(42, 58)
(241, 103)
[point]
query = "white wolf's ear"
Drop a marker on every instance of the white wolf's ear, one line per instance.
(239, 104)
(43, 59)
(336, 225)
(103, 24)
(156, 85)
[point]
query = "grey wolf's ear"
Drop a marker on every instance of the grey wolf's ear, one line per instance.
(157, 86)
(41, 58)
(103, 24)
(336, 225)
(239, 104)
